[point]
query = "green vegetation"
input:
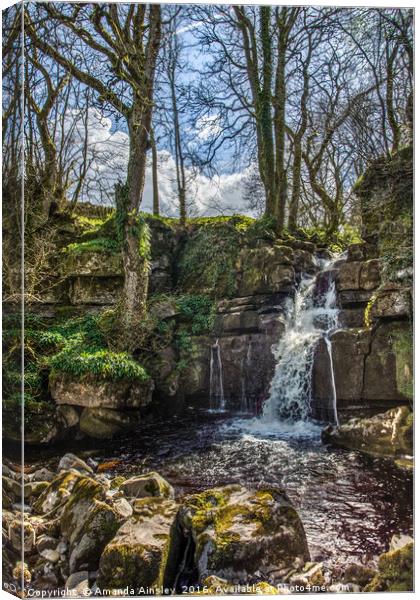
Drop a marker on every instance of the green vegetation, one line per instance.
(395, 573)
(208, 261)
(74, 345)
(94, 245)
(386, 198)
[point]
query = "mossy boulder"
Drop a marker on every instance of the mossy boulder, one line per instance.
(71, 461)
(57, 492)
(239, 532)
(385, 434)
(88, 523)
(395, 571)
(143, 550)
(149, 484)
(95, 392)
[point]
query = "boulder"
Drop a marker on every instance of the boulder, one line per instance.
(88, 524)
(304, 262)
(34, 488)
(42, 474)
(22, 536)
(149, 484)
(77, 584)
(358, 574)
(57, 492)
(105, 423)
(68, 415)
(71, 461)
(385, 434)
(46, 542)
(395, 571)
(142, 552)
(240, 533)
(94, 393)
(123, 508)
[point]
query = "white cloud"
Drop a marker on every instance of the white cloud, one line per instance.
(208, 127)
(108, 153)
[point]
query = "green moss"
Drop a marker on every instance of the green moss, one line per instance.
(106, 245)
(104, 364)
(199, 310)
(395, 571)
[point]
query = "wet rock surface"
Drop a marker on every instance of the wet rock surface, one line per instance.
(386, 434)
(86, 531)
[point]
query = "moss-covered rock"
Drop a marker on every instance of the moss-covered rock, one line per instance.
(57, 492)
(239, 532)
(90, 263)
(142, 552)
(386, 434)
(395, 571)
(94, 392)
(149, 484)
(88, 524)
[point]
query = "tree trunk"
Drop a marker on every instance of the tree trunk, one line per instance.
(294, 200)
(132, 304)
(154, 174)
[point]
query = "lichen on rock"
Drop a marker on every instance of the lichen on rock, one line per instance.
(238, 532)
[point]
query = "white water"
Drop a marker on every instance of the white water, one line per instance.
(217, 395)
(308, 320)
(334, 390)
(246, 366)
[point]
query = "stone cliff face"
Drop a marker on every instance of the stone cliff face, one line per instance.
(372, 350)
(249, 281)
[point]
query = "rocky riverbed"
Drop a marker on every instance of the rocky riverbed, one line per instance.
(210, 502)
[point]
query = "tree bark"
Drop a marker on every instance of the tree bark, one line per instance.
(154, 174)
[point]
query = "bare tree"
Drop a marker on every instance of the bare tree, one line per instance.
(122, 42)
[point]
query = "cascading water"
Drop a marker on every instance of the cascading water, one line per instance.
(246, 364)
(217, 395)
(310, 317)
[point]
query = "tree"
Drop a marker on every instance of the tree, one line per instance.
(122, 44)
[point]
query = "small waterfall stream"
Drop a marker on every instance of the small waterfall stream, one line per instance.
(312, 316)
(217, 395)
(246, 364)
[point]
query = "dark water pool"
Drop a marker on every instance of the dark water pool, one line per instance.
(350, 504)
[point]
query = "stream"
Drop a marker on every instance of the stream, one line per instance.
(350, 504)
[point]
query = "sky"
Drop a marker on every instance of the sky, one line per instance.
(108, 152)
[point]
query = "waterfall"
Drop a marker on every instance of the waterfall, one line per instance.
(245, 370)
(313, 315)
(334, 391)
(217, 395)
